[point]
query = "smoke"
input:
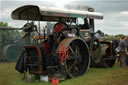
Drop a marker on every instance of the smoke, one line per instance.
(62, 3)
(77, 7)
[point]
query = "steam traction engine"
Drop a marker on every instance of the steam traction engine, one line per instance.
(69, 50)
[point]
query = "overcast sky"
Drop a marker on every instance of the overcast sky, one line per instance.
(115, 12)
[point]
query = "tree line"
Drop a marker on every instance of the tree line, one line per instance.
(8, 36)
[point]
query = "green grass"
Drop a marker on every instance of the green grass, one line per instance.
(95, 76)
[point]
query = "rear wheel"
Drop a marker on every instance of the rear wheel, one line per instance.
(78, 61)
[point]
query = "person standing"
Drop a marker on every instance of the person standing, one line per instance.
(115, 42)
(123, 51)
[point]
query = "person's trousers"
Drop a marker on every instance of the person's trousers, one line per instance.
(122, 59)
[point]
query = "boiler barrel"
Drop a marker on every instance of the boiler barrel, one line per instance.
(10, 52)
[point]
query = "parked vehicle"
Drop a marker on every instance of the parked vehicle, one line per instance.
(69, 50)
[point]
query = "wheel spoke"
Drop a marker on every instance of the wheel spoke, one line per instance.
(74, 63)
(72, 50)
(77, 51)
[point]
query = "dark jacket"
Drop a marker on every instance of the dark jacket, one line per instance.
(122, 45)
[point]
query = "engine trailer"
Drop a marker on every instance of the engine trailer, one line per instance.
(69, 50)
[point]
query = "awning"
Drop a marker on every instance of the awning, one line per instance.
(43, 13)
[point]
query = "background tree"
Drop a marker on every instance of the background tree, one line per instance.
(9, 36)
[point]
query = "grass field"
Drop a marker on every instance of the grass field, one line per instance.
(95, 76)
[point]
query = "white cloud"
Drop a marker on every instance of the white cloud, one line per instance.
(61, 3)
(124, 13)
(0, 9)
(6, 13)
(115, 21)
(125, 23)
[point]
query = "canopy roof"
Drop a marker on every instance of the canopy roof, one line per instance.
(43, 13)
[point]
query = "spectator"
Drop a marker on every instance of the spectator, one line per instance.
(115, 42)
(123, 51)
(116, 48)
